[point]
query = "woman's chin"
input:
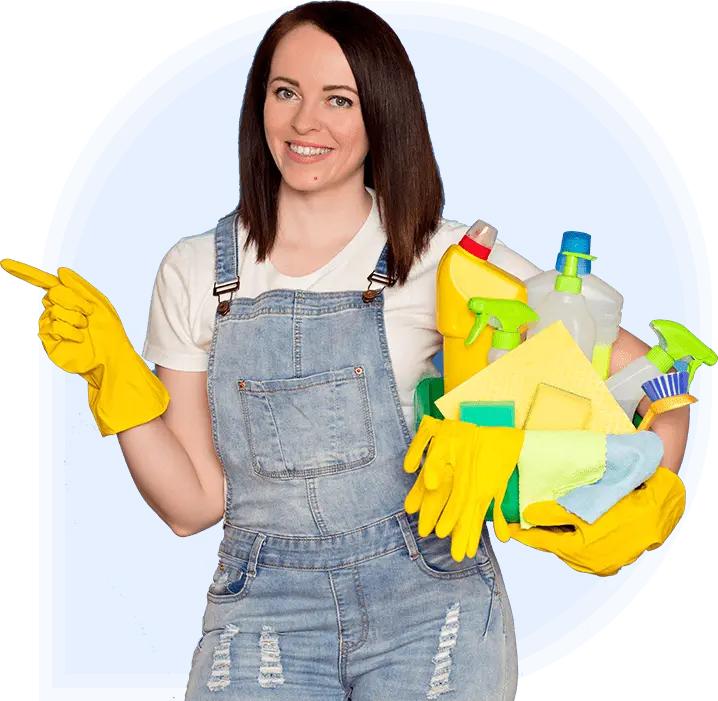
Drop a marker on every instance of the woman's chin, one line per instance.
(307, 183)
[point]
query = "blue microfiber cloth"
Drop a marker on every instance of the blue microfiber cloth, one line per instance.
(630, 460)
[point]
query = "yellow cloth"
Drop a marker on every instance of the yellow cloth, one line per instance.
(551, 357)
(82, 333)
(641, 521)
(466, 467)
(554, 409)
(552, 463)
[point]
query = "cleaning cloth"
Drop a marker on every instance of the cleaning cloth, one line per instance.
(552, 463)
(630, 460)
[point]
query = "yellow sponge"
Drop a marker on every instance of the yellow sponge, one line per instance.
(555, 409)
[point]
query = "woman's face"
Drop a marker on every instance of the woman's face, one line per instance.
(312, 117)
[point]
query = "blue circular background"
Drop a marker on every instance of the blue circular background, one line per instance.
(527, 136)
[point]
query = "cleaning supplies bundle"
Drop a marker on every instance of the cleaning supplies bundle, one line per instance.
(580, 461)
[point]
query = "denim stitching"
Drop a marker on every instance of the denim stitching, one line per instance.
(384, 345)
(311, 538)
(213, 413)
(297, 340)
(314, 507)
(359, 589)
(341, 659)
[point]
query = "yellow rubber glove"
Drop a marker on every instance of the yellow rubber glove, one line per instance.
(451, 445)
(641, 521)
(475, 485)
(82, 334)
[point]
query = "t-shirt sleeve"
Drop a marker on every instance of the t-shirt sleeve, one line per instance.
(510, 261)
(170, 340)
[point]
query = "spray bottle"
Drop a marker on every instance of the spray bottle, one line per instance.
(464, 272)
(506, 316)
(604, 302)
(567, 304)
(675, 342)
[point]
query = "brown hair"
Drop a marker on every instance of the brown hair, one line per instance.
(400, 165)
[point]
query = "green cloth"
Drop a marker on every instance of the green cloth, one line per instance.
(552, 463)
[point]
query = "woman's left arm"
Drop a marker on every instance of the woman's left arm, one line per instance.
(672, 426)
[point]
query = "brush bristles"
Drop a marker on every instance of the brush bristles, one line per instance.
(669, 385)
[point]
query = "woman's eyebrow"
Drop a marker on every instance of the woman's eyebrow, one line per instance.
(295, 83)
(341, 87)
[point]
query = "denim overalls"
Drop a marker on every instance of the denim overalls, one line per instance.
(324, 590)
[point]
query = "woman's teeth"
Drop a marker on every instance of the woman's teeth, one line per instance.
(307, 150)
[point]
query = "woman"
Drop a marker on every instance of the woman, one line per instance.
(310, 421)
(291, 390)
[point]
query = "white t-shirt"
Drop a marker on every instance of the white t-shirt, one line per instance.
(183, 308)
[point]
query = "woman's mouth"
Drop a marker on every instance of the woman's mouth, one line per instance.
(306, 154)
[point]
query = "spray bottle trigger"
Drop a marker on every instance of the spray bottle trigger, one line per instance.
(477, 328)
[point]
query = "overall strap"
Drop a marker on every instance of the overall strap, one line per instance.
(225, 248)
(379, 274)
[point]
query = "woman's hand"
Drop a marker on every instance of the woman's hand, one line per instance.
(640, 521)
(82, 334)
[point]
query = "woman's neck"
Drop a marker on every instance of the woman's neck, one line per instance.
(322, 219)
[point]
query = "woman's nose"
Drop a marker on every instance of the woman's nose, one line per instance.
(307, 117)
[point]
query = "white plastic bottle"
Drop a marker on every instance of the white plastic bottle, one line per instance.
(566, 303)
(626, 385)
(604, 302)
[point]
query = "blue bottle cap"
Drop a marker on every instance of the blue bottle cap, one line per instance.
(576, 242)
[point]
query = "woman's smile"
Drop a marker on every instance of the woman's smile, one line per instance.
(299, 152)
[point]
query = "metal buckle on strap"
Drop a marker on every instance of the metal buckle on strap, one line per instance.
(370, 295)
(223, 288)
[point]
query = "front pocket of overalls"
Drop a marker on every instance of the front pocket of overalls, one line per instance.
(308, 426)
(436, 561)
(229, 583)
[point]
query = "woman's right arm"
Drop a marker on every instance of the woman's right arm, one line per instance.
(172, 459)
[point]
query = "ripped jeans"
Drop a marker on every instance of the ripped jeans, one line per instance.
(375, 614)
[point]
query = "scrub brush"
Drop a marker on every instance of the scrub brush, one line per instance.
(666, 392)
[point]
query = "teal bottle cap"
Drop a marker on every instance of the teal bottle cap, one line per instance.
(576, 242)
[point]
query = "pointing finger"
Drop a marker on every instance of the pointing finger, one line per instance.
(25, 272)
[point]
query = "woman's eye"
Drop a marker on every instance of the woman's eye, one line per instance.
(284, 93)
(340, 101)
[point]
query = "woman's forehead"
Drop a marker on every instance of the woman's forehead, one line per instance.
(309, 55)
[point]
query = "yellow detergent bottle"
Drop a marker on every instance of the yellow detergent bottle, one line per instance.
(464, 272)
